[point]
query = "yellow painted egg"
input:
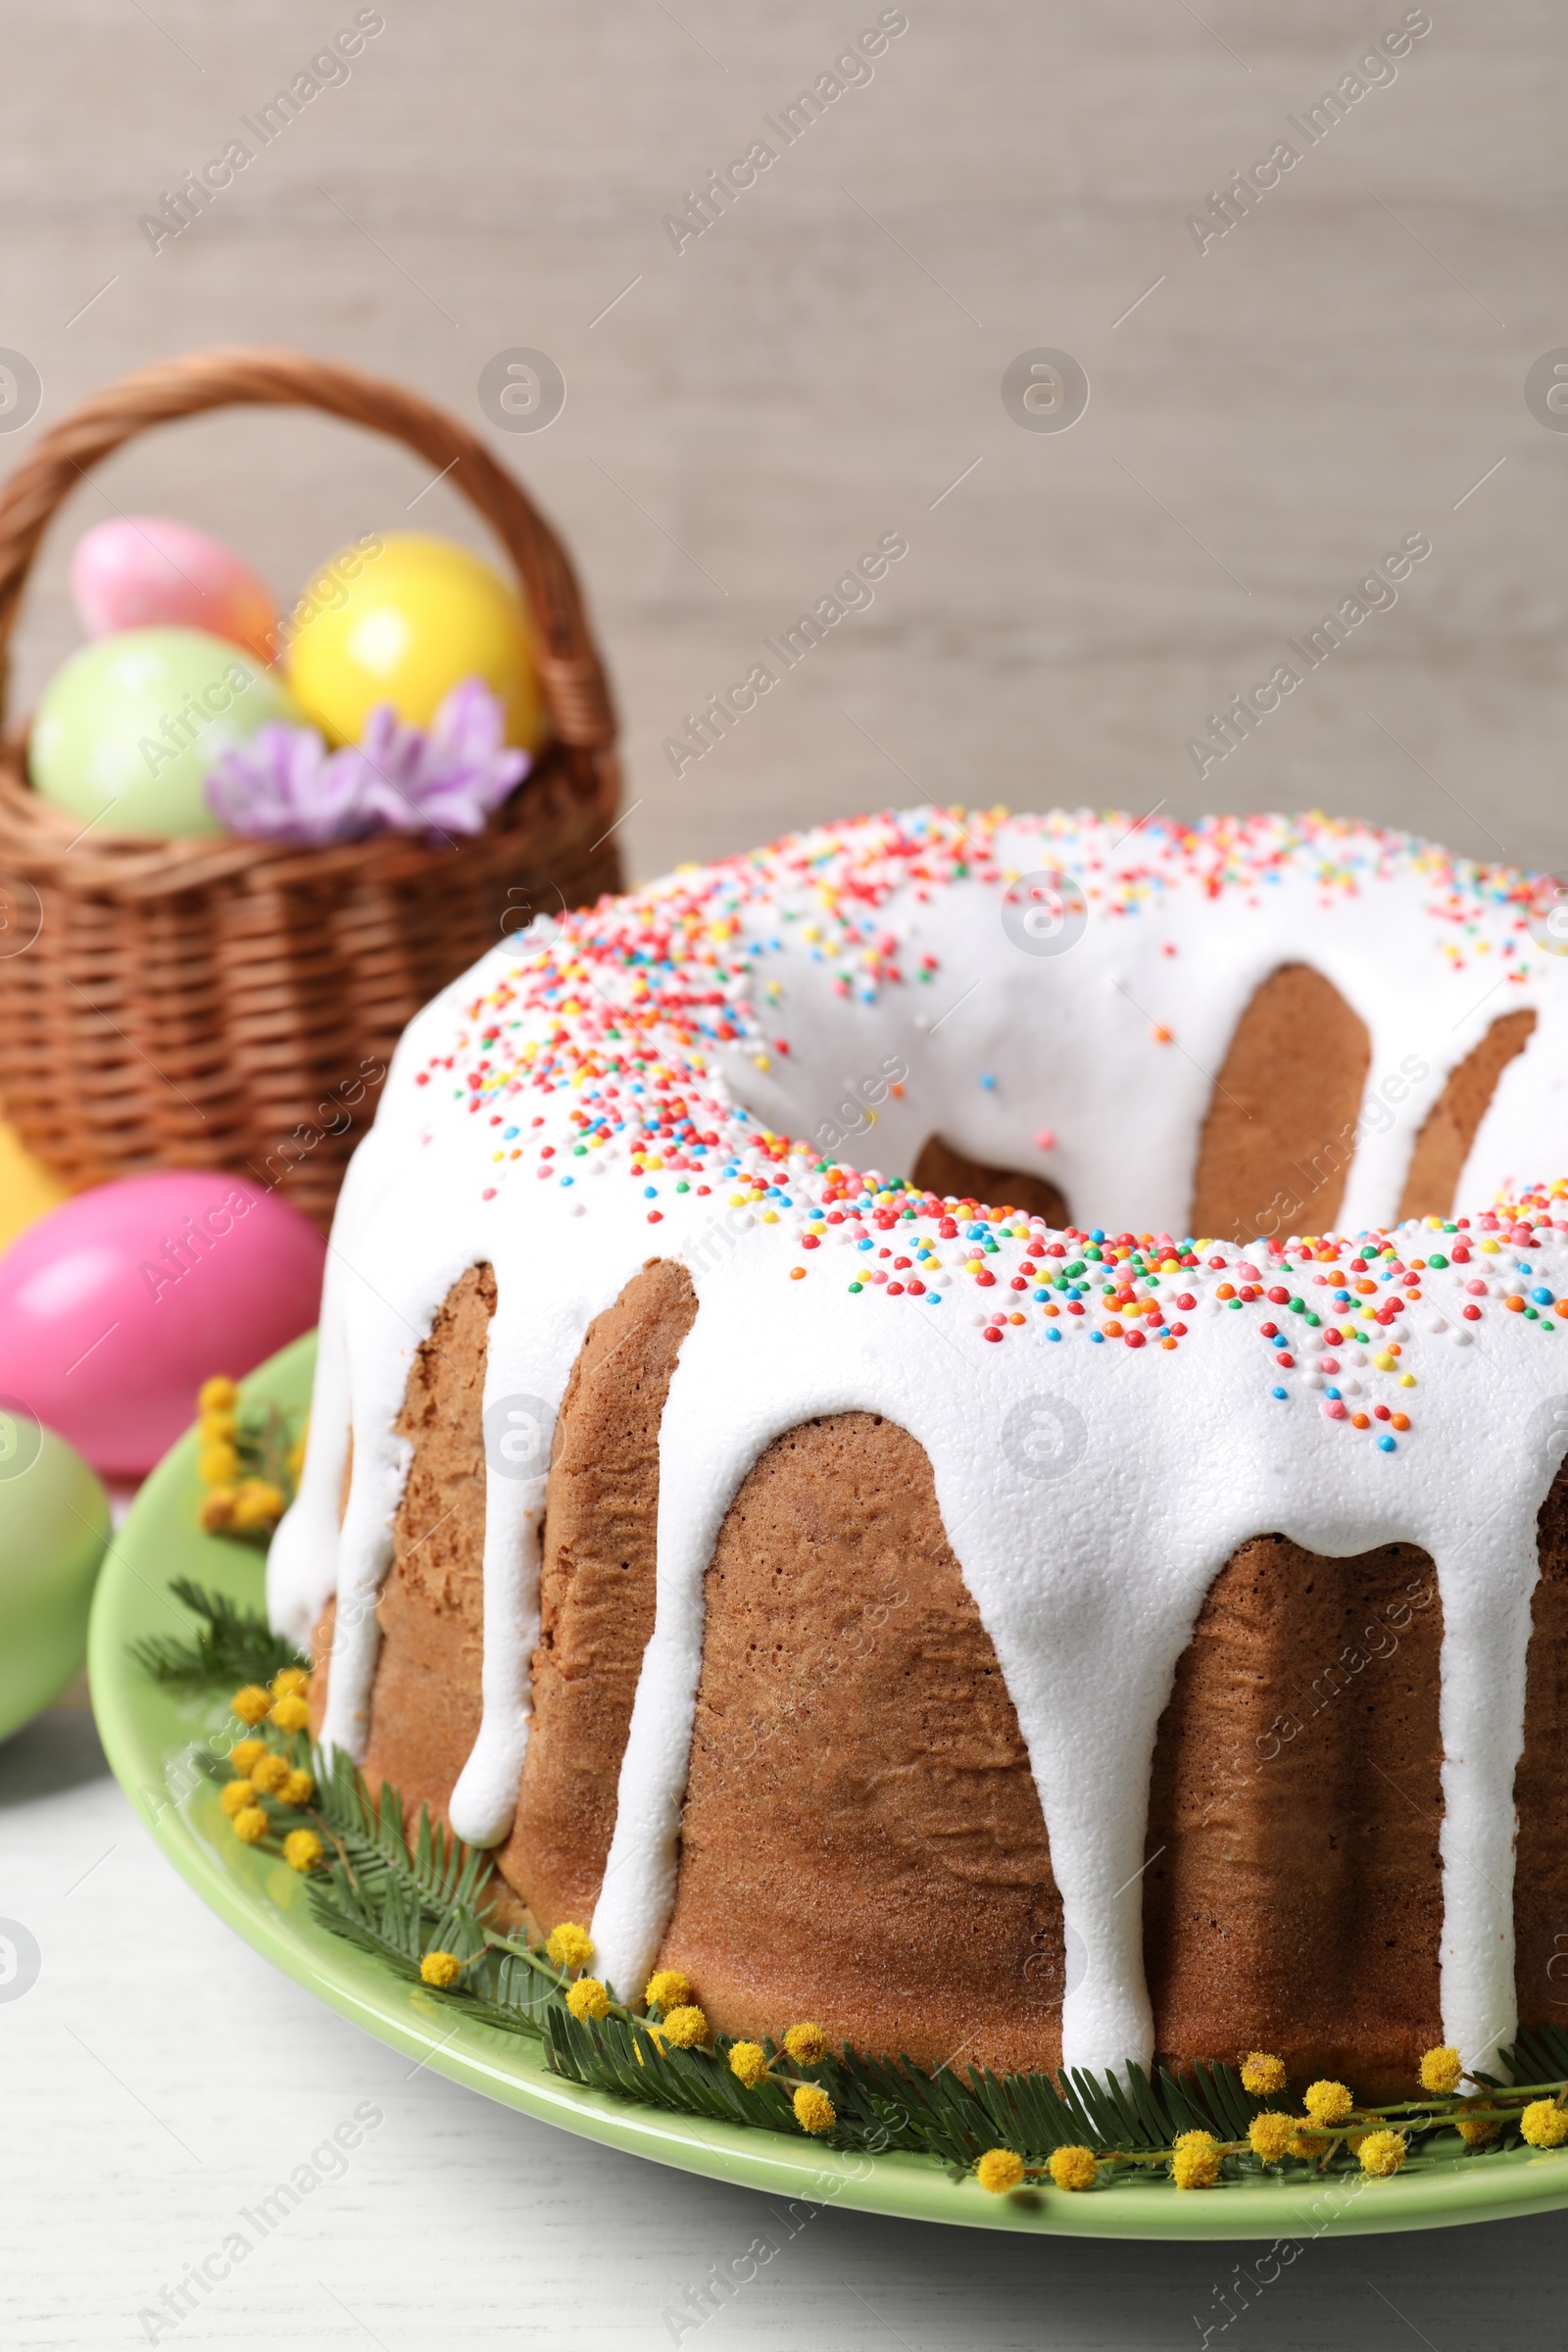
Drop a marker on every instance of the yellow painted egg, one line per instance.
(403, 619)
(28, 1191)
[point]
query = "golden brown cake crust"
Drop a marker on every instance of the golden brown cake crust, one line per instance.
(862, 1841)
(1449, 1128)
(596, 1593)
(321, 1665)
(1541, 1786)
(425, 1702)
(942, 1170)
(1293, 1896)
(1280, 1133)
(322, 1637)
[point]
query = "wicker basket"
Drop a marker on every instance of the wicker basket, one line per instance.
(214, 1001)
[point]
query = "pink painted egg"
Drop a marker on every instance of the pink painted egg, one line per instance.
(141, 572)
(118, 1304)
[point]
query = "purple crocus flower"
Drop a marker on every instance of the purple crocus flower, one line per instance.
(283, 784)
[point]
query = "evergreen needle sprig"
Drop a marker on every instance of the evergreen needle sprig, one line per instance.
(436, 1914)
(233, 1645)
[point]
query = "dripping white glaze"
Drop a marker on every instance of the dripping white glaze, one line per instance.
(1113, 1561)
(1185, 1451)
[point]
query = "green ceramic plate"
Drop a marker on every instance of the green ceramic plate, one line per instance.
(149, 1733)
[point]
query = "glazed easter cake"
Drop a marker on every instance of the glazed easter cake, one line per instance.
(1103, 1627)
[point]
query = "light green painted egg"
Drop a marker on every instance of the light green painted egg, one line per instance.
(128, 727)
(54, 1529)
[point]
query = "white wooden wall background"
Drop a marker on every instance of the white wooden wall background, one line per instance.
(1267, 418)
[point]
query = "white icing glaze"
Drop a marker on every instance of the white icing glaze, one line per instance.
(1187, 1449)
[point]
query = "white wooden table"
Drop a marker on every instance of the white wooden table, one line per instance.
(159, 2080)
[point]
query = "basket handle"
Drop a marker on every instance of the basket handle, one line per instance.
(572, 676)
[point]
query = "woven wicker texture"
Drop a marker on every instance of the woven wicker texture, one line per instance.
(212, 1002)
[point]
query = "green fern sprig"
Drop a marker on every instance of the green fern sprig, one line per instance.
(404, 1904)
(439, 1872)
(414, 1902)
(431, 1898)
(234, 1645)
